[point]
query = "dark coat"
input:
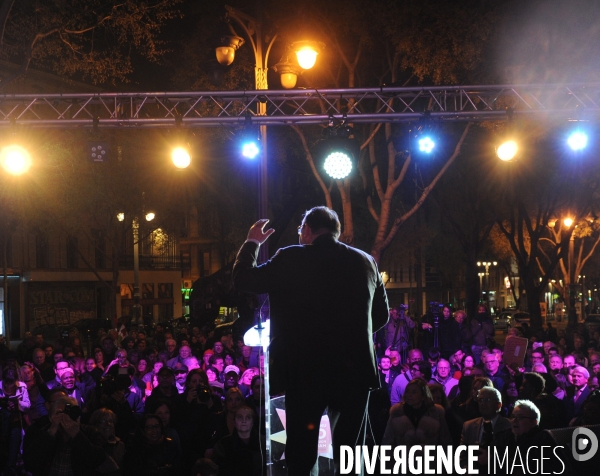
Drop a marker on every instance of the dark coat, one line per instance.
(327, 296)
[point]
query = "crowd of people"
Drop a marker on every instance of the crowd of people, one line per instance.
(180, 402)
(186, 402)
(460, 391)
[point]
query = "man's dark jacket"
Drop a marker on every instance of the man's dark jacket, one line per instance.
(326, 300)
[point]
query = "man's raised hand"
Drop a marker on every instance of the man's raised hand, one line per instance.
(257, 233)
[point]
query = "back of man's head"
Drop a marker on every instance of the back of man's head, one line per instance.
(323, 220)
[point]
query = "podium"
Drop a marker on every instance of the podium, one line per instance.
(275, 420)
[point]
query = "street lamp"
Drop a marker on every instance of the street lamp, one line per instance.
(568, 222)
(480, 284)
(135, 226)
(486, 265)
(306, 52)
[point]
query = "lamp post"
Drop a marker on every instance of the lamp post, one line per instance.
(486, 265)
(568, 222)
(15, 160)
(135, 227)
(306, 53)
(481, 285)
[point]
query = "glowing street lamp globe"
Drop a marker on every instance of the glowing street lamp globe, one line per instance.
(338, 165)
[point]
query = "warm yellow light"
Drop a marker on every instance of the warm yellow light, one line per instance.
(15, 159)
(507, 150)
(307, 57)
(288, 80)
(150, 216)
(568, 222)
(225, 55)
(181, 158)
(121, 216)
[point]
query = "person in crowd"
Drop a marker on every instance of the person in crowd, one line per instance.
(45, 368)
(417, 420)
(231, 378)
(121, 396)
(578, 392)
(510, 394)
(526, 434)
(387, 374)
(218, 362)
(396, 333)
(109, 349)
(99, 358)
(223, 423)
(492, 371)
(149, 376)
(101, 432)
(91, 369)
(470, 409)
(240, 453)
(243, 362)
(481, 329)
(75, 389)
(443, 377)
(12, 420)
(452, 420)
(184, 352)
(256, 399)
(482, 430)
(171, 348)
(166, 389)
(180, 371)
(151, 452)
(460, 317)
(61, 446)
(449, 334)
(163, 411)
(191, 363)
(401, 381)
(27, 375)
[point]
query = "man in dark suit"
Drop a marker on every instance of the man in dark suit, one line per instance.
(578, 392)
(326, 300)
(482, 431)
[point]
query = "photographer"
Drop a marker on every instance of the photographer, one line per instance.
(115, 393)
(396, 333)
(14, 400)
(61, 444)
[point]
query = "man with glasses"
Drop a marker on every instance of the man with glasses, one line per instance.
(537, 448)
(443, 377)
(325, 298)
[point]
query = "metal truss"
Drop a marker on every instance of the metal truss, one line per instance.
(302, 106)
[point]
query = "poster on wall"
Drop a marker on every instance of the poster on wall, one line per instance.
(59, 304)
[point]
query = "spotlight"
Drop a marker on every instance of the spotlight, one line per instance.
(577, 140)
(181, 157)
(98, 151)
(426, 144)
(507, 150)
(15, 159)
(250, 149)
(338, 164)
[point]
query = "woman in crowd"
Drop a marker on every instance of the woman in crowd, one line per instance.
(91, 369)
(510, 394)
(163, 410)
(452, 420)
(99, 358)
(101, 431)
(223, 423)
(417, 420)
(239, 454)
(151, 452)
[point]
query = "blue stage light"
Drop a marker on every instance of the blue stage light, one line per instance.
(577, 140)
(426, 144)
(250, 150)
